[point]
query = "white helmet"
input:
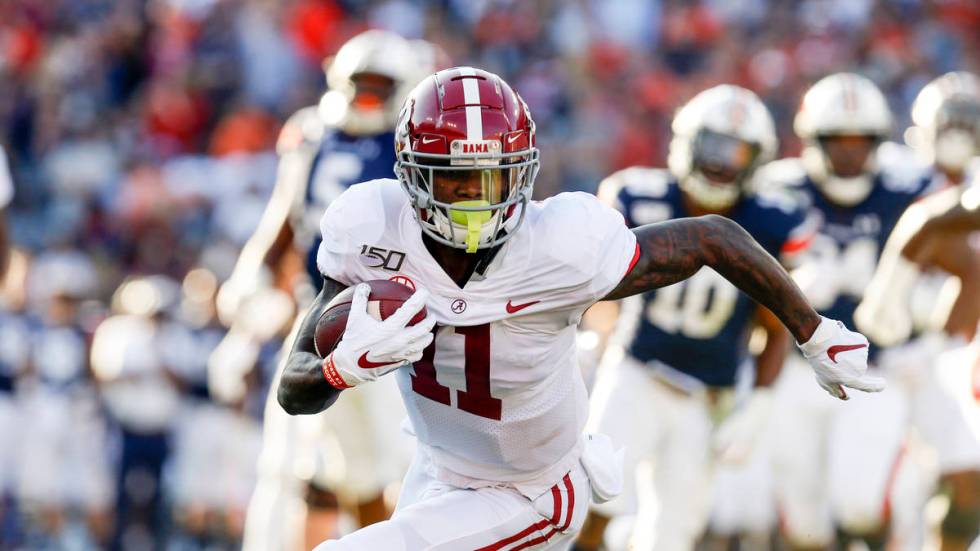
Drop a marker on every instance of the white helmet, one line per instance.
(371, 52)
(946, 114)
(726, 129)
(842, 104)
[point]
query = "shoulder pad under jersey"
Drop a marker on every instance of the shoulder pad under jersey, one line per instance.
(780, 175)
(303, 128)
(902, 171)
(637, 181)
(582, 243)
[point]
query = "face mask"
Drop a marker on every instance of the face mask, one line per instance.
(953, 148)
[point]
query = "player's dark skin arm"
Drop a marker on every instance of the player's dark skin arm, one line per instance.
(956, 220)
(769, 362)
(954, 255)
(302, 388)
(674, 250)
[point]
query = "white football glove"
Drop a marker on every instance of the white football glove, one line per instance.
(370, 348)
(736, 437)
(839, 358)
(884, 314)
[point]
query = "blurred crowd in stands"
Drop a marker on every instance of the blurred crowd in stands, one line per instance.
(141, 138)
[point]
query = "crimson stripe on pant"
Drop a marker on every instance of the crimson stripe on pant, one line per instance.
(555, 518)
(535, 541)
(556, 496)
(571, 501)
(522, 534)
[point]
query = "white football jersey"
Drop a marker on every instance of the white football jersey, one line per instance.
(498, 396)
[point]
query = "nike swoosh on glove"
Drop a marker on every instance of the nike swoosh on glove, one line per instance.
(839, 358)
(370, 348)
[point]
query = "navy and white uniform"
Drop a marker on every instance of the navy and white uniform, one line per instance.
(838, 266)
(14, 360)
(699, 327)
(673, 348)
(339, 160)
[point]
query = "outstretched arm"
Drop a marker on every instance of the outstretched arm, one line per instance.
(674, 250)
(962, 216)
(271, 241)
(932, 233)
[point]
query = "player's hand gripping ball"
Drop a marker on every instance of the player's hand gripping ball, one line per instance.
(371, 329)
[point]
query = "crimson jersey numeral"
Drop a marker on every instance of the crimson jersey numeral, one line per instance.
(476, 399)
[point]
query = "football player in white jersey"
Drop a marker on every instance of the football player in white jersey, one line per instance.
(323, 149)
(489, 378)
(846, 466)
(678, 352)
(928, 315)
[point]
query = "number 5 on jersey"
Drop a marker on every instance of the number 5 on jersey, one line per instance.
(476, 399)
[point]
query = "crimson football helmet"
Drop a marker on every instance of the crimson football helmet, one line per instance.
(466, 125)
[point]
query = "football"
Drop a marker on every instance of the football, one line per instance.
(386, 296)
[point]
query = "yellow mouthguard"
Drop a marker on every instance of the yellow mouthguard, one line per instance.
(472, 219)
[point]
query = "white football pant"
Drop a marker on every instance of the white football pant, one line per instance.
(668, 439)
(435, 516)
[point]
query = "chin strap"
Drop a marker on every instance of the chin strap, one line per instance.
(472, 219)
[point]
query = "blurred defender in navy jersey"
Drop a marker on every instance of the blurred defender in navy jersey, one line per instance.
(665, 389)
(345, 139)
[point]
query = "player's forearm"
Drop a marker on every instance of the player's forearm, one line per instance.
(4, 245)
(265, 248)
(302, 386)
(957, 257)
(273, 233)
(770, 361)
(942, 219)
(734, 254)
(956, 220)
(675, 250)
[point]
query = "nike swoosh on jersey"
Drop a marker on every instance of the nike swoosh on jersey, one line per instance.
(833, 351)
(511, 308)
(365, 363)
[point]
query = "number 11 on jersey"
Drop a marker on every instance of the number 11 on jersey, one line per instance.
(476, 399)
